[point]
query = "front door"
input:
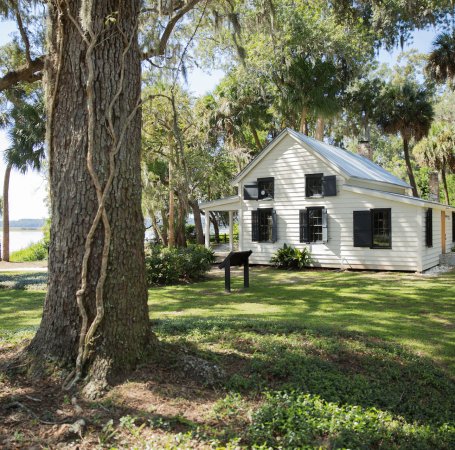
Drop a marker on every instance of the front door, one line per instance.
(443, 231)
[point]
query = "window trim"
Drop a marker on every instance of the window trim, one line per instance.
(373, 210)
(270, 241)
(307, 217)
(310, 176)
(265, 179)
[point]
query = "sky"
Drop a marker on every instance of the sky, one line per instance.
(27, 192)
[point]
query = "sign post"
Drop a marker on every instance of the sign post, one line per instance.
(236, 259)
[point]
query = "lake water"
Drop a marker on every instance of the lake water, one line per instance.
(21, 239)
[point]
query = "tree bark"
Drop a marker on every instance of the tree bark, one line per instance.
(215, 226)
(303, 122)
(256, 138)
(157, 229)
(197, 221)
(165, 228)
(6, 213)
(180, 231)
(27, 72)
(171, 191)
(124, 335)
(444, 183)
(320, 126)
(412, 181)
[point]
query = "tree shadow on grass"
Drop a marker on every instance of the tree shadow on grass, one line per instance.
(343, 368)
(394, 306)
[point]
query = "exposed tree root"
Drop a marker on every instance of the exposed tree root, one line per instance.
(20, 405)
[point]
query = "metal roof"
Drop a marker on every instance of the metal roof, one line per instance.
(356, 166)
(225, 200)
(417, 199)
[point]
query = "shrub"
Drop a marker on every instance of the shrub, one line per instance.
(34, 252)
(288, 257)
(167, 266)
(37, 251)
(190, 231)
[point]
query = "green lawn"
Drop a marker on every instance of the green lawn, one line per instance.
(417, 311)
(413, 310)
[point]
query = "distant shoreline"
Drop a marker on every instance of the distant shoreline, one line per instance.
(24, 229)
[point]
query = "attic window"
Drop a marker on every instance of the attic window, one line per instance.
(317, 185)
(314, 185)
(266, 188)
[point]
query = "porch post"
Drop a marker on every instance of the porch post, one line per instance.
(231, 231)
(207, 228)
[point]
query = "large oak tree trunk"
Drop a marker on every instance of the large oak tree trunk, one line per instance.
(124, 334)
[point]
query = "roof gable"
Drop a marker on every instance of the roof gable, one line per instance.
(355, 166)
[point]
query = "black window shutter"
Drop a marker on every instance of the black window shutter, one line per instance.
(362, 229)
(250, 191)
(453, 227)
(274, 230)
(255, 226)
(303, 225)
(324, 225)
(329, 186)
(429, 228)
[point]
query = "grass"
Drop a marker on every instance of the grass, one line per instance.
(416, 311)
(311, 362)
(412, 310)
(21, 300)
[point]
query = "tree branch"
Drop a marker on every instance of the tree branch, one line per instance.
(168, 30)
(27, 72)
(22, 31)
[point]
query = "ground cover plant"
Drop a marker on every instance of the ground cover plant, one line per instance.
(321, 369)
(285, 385)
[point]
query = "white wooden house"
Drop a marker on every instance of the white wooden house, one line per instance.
(348, 211)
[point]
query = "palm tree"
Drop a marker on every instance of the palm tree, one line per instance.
(26, 134)
(436, 150)
(441, 61)
(405, 110)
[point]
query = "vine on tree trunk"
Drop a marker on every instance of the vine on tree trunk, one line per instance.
(91, 39)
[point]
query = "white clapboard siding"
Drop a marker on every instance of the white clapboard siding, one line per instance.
(449, 232)
(288, 163)
(430, 255)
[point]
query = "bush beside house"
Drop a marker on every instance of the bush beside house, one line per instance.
(167, 266)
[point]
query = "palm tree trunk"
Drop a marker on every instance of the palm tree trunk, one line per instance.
(412, 181)
(320, 125)
(6, 214)
(303, 122)
(256, 138)
(444, 182)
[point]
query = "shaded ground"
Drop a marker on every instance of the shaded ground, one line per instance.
(310, 361)
(328, 388)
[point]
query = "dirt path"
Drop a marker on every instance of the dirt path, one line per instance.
(22, 266)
